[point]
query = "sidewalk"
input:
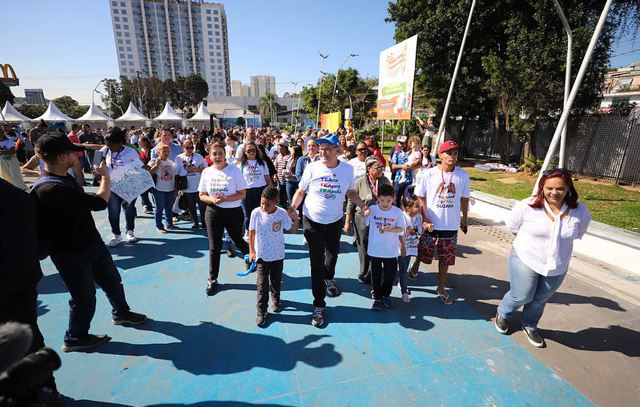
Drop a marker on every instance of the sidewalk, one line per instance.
(199, 349)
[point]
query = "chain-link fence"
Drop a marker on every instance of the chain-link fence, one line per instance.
(606, 147)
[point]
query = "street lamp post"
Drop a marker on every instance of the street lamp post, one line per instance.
(335, 84)
(295, 85)
(96, 89)
(567, 80)
(323, 56)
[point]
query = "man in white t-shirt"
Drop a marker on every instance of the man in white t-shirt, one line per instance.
(444, 196)
(324, 183)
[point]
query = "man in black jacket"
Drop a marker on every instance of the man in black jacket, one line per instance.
(67, 230)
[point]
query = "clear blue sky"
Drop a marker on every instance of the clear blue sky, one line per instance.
(66, 47)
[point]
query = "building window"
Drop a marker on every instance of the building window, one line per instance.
(217, 26)
(208, 11)
(115, 11)
(114, 3)
(126, 34)
(118, 26)
(123, 4)
(208, 32)
(129, 49)
(118, 33)
(116, 18)
(123, 11)
(121, 56)
(208, 18)
(121, 49)
(130, 56)
(119, 41)
(216, 19)
(208, 25)
(125, 20)
(126, 26)
(218, 54)
(130, 63)
(128, 41)
(215, 11)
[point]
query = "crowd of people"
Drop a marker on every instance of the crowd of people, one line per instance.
(246, 187)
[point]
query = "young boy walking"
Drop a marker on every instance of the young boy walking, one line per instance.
(386, 228)
(266, 248)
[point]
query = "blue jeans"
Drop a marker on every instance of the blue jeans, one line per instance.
(146, 201)
(528, 288)
(114, 206)
(164, 202)
(400, 189)
(80, 271)
(250, 202)
(403, 267)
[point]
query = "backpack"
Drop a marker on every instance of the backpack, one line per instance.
(43, 243)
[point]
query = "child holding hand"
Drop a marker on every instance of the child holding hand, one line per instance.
(266, 248)
(386, 229)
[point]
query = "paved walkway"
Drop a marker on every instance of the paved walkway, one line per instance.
(199, 350)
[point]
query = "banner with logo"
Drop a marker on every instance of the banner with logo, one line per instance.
(331, 121)
(395, 83)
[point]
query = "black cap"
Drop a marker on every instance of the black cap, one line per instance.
(115, 135)
(52, 144)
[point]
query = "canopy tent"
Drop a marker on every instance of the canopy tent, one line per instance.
(168, 114)
(132, 115)
(94, 114)
(53, 114)
(203, 116)
(11, 115)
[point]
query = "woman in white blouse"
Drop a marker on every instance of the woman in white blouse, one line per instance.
(546, 226)
(222, 187)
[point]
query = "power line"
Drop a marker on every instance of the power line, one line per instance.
(633, 51)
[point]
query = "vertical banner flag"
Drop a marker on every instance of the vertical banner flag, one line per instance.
(331, 121)
(395, 83)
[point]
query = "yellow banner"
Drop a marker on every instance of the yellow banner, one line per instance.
(331, 121)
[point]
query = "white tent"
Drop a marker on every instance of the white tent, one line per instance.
(132, 115)
(168, 114)
(94, 114)
(53, 114)
(203, 115)
(12, 115)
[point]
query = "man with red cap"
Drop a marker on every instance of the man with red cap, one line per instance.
(444, 197)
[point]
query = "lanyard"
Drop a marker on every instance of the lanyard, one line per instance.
(446, 183)
(116, 157)
(374, 186)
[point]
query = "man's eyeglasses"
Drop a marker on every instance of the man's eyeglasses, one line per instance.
(189, 147)
(362, 150)
(556, 171)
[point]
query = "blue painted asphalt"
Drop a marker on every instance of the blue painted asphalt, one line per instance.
(199, 350)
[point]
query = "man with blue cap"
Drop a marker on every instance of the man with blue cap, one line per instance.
(325, 183)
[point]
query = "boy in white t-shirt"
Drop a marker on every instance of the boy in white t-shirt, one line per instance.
(386, 229)
(266, 248)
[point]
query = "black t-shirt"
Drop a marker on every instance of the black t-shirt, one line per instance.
(64, 217)
(91, 138)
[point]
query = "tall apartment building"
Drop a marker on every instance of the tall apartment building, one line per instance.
(262, 84)
(170, 38)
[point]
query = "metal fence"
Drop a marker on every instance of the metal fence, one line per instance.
(606, 147)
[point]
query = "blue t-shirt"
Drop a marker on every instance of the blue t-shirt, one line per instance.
(401, 158)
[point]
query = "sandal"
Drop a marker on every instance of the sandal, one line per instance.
(445, 298)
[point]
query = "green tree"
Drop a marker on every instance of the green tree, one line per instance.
(65, 103)
(76, 111)
(5, 95)
(32, 110)
(268, 107)
(196, 89)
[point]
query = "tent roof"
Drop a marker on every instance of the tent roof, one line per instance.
(202, 114)
(53, 114)
(168, 113)
(132, 115)
(12, 115)
(94, 114)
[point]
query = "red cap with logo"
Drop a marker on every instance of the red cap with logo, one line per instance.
(448, 145)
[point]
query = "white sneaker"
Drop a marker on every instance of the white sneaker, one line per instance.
(246, 235)
(115, 241)
(304, 241)
(131, 238)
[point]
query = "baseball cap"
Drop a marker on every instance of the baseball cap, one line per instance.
(283, 142)
(371, 160)
(329, 139)
(402, 139)
(115, 135)
(448, 145)
(52, 144)
(309, 127)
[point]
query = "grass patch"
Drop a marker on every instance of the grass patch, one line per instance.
(610, 204)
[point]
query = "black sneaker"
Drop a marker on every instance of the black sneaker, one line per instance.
(130, 318)
(364, 280)
(276, 307)
(502, 324)
(386, 301)
(261, 319)
(230, 253)
(148, 211)
(332, 288)
(377, 305)
(81, 344)
(317, 319)
(212, 287)
(534, 337)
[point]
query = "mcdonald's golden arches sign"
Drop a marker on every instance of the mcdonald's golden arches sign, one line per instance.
(8, 77)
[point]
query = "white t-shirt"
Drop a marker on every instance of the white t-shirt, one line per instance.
(533, 241)
(165, 176)
(126, 156)
(254, 173)
(413, 230)
(229, 153)
(227, 181)
(359, 167)
(384, 245)
(269, 243)
(415, 156)
(442, 198)
(325, 191)
(183, 163)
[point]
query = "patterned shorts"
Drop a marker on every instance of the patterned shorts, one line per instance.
(444, 240)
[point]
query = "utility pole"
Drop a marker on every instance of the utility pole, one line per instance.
(323, 56)
(139, 90)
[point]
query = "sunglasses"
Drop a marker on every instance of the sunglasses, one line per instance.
(250, 151)
(362, 150)
(189, 147)
(556, 171)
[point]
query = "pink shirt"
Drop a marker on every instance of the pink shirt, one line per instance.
(75, 139)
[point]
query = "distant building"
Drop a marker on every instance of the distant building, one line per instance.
(170, 38)
(621, 87)
(262, 84)
(238, 89)
(34, 97)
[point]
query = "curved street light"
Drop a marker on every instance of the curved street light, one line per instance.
(335, 84)
(96, 89)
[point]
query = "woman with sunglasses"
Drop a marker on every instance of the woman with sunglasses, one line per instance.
(256, 174)
(191, 165)
(362, 152)
(545, 226)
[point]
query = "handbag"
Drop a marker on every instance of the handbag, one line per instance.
(181, 182)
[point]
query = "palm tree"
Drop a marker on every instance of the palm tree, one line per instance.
(268, 105)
